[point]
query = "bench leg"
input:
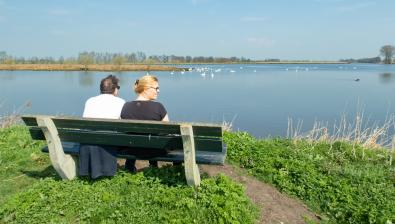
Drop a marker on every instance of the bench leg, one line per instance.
(64, 164)
(191, 169)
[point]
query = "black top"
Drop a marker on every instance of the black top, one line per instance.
(143, 110)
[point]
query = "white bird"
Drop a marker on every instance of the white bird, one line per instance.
(212, 75)
(203, 74)
(232, 71)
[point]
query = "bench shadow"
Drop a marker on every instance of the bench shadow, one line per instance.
(167, 175)
(49, 171)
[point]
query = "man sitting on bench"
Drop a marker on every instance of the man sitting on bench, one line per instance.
(99, 160)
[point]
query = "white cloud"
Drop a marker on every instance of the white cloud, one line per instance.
(260, 41)
(252, 19)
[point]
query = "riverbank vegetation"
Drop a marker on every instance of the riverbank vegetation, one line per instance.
(89, 67)
(343, 181)
(31, 192)
(141, 59)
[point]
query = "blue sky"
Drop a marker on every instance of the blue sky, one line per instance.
(257, 29)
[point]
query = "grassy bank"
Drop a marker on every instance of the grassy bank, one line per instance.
(345, 183)
(92, 67)
(31, 192)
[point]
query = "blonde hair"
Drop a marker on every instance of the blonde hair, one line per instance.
(141, 83)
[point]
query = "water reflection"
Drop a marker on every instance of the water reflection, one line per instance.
(69, 77)
(7, 76)
(387, 77)
(258, 98)
(86, 78)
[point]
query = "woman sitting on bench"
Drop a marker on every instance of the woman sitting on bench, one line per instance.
(144, 108)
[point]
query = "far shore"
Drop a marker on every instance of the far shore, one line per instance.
(92, 67)
(138, 67)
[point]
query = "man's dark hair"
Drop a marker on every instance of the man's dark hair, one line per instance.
(109, 84)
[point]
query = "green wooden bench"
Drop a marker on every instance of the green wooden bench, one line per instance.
(191, 143)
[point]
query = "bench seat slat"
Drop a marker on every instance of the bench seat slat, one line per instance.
(120, 139)
(214, 158)
(135, 126)
(118, 127)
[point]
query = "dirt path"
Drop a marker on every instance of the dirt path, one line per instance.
(275, 207)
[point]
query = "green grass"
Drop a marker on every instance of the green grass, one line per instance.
(32, 193)
(21, 162)
(345, 184)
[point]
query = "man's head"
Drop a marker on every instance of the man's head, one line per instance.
(109, 85)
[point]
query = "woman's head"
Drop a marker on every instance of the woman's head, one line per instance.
(147, 86)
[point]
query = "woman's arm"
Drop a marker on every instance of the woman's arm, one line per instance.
(166, 118)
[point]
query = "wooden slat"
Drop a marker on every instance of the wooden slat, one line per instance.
(135, 126)
(214, 158)
(89, 137)
(117, 139)
(29, 121)
(192, 173)
(94, 125)
(207, 131)
(36, 133)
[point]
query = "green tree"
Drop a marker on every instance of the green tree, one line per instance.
(118, 60)
(3, 56)
(9, 60)
(388, 52)
(85, 59)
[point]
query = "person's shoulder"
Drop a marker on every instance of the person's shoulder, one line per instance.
(158, 105)
(91, 99)
(119, 99)
(128, 103)
(156, 102)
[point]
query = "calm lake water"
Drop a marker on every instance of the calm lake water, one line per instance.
(257, 98)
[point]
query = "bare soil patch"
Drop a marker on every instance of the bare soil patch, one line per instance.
(275, 207)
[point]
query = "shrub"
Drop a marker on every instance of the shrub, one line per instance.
(348, 184)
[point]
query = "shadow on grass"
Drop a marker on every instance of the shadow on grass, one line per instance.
(168, 175)
(49, 171)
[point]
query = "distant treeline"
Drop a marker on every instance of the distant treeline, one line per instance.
(118, 58)
(362, 60)
(87, 58)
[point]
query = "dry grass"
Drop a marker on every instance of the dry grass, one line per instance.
(228, 125)
(8, 120)
(359, 131)
(93, 67)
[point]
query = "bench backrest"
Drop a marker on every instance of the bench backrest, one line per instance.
(132, 133)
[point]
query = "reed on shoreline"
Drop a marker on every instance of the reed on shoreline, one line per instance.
(91, 67)
(358, 131)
